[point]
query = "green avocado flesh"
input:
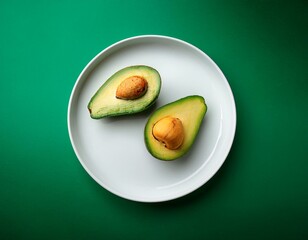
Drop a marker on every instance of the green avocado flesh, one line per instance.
(104, 103)
(191, 111)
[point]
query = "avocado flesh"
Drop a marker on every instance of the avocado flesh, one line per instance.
(191, 111)
(104, 103)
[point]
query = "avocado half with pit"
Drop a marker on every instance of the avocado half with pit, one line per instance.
(172, 129)
(130, 90)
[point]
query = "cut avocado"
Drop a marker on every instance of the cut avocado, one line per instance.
(190, 111)
(107, 102)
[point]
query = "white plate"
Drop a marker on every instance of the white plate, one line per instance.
(112, 150)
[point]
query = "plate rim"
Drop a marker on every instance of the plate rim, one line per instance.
(88, 68)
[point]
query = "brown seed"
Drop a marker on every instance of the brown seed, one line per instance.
(132, 87)
(169, 131)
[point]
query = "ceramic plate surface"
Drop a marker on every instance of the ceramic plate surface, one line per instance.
(112, 150)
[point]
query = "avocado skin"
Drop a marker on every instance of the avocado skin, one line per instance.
(188, 109)
(126, 107)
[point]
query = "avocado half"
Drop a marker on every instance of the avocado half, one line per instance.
(191, 111)
(104, 102)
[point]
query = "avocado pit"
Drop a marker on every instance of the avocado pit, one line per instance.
(132, 88)
(169, 131)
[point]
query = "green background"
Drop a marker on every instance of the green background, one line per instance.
(260, 192)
